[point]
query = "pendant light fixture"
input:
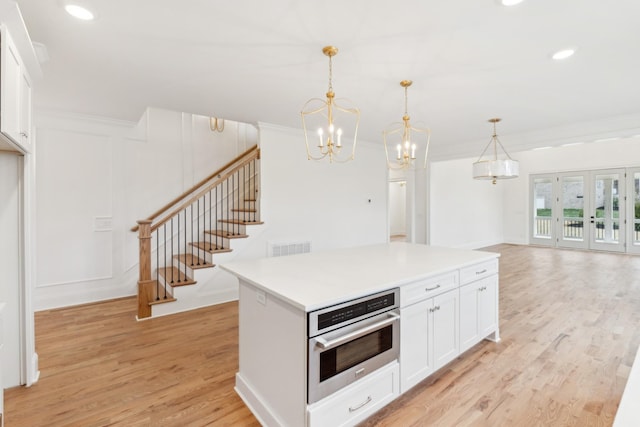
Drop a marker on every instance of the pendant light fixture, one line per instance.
(330, 125)
(409, 145)
(495, 168)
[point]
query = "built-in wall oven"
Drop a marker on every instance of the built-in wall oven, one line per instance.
(347, 341)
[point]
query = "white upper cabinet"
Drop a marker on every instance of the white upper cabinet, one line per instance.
(15, 97)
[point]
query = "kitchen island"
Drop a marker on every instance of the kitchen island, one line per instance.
(448, 301)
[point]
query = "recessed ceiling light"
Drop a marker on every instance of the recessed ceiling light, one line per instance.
(563, 54)
(79, 12)
(510, 2)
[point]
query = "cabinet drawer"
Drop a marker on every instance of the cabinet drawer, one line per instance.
(478, 271)
(423, 289)
(358, 401)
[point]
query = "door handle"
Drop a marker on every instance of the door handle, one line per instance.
(326, 345)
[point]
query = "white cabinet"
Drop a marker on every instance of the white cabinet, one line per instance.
(428, 337)
(15, 95)
(445, 328)
(478, 311)
(415, 361)
(357, 401)
(439, 318)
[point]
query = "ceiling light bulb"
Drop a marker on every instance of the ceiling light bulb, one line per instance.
(563, 54)
(79, 12)
(510, 2)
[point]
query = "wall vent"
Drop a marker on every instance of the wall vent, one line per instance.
(289, 248)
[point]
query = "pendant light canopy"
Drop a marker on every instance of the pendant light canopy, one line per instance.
(495, 166)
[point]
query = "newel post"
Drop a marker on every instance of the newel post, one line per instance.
(145, 284)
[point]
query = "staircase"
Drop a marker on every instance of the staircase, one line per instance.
(186, 234)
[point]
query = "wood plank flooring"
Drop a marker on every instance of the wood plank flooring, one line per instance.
(570, 326)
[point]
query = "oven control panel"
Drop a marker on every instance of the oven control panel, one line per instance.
(339, 315)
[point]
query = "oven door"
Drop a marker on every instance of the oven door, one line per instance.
(345, 355)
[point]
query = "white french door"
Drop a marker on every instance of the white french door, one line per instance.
(633, 210)
(573, 202)
(543, 191)
(606, 224)
(587, 210)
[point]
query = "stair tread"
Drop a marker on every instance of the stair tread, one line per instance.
(226, 235)
(193, 261)
(240, 221)
(155, 300)
(206, 246)
(250, 200)
(173, 273)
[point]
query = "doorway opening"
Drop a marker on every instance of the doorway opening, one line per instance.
(398, 211)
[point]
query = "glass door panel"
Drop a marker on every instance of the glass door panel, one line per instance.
(542, 215)
(571, 229)
(607, 230)
(633, 188)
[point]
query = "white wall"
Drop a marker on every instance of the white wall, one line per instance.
(93, 170)
(330, 204)
(464, 213)
(96, 177)
(589, 156)
(10, 218)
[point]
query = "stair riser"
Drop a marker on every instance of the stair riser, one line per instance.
(218, 241)
(234, 228)
(246, 216)
(168, 281)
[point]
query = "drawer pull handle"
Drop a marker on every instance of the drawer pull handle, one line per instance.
(355, 408)
(431, 289)
(481, 272)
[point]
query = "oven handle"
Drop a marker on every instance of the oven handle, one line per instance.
(326, 345)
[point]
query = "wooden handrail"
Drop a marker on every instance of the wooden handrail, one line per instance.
(168, 206)
(205, 190)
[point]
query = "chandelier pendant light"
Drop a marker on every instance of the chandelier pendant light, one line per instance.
(492, 167)
(409, 145)
(330, 125)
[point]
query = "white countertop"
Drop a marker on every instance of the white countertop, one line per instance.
(318, 279)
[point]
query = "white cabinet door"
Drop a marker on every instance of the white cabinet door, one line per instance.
(15, 95)
(469, 329)
(357, 401)
(428, 337)
(10, 81)
(478, 311)
(488, 307)
(415, 359)
(445, 328)
(25, 111)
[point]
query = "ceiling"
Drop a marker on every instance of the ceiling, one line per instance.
(259, 61)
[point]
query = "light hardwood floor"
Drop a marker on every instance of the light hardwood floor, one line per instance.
(570, 326)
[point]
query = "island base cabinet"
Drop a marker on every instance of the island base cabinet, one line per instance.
(445, 328)
(428, 337)
(478, 311)
(357, 402)
(415, 360)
